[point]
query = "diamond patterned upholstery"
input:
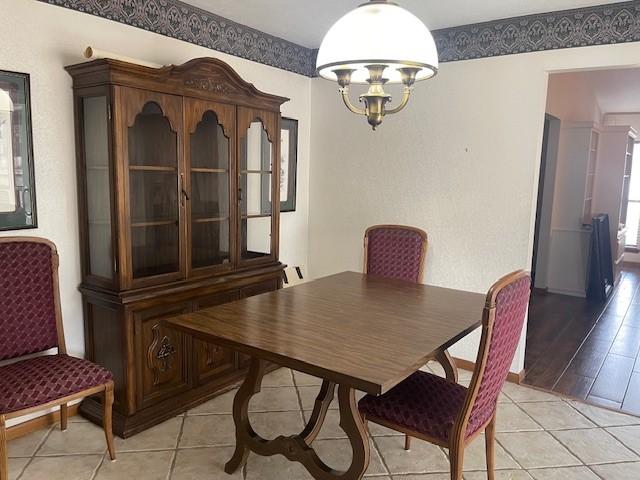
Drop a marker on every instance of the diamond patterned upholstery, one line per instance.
(422, 403)
(395, 252)
(431, 405)
(33, 382)
(511, 309)
(27, 308)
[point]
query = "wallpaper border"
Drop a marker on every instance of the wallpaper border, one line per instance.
(582, 27)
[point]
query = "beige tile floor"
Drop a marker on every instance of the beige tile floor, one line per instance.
(540, 437)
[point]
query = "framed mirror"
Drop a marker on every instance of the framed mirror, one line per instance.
(17, 184)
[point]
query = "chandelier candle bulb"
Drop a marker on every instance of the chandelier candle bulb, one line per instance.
(376, 44)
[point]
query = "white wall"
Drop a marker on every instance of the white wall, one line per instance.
(571, 97)
(462, 162)
(546, 206)
(41, 39)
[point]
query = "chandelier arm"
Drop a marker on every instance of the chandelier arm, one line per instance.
(347, 101)
(403, 103)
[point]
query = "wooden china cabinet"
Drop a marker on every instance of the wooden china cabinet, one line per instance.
(176, 176)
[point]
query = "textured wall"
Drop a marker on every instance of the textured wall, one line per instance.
(41, 39)
(462, 162)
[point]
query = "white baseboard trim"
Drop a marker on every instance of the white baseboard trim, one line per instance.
(572, 293)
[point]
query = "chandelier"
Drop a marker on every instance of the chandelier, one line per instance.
(377, 43)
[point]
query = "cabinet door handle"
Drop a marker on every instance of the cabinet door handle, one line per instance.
(184, 192)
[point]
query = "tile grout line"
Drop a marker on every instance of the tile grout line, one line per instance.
(589, 465)
(35, 451)
(624, 317)
(519, 407)
(97, 468)
(377, 449)
(177, 447)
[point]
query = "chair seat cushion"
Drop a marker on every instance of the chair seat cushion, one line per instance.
(36, 381)
(423, 403)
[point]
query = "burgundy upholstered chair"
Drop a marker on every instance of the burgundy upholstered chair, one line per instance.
(398, 251)
(30, 323)
(434, 409)
(395, 251)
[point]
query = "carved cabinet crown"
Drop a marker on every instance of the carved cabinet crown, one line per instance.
(201, 77)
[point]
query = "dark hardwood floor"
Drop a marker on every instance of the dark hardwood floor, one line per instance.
(588, 351)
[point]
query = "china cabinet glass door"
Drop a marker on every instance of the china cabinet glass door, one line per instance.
(97, 188)
(156, 195)
(255, 193)
(209, 169)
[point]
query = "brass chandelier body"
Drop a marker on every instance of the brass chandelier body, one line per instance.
(354, 48)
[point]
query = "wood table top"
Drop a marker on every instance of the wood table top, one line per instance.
(365, 331)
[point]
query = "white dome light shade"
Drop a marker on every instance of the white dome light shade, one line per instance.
(378, 32)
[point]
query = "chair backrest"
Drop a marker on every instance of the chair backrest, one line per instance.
(503, 319)
(30, 319)
(395, 251)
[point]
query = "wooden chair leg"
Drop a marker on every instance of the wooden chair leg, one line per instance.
(107, 418)
(64, 416)
(4, 461)
(490, 443)
(407, 443)
(456, 461)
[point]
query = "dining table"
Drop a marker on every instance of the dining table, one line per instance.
(356, 332)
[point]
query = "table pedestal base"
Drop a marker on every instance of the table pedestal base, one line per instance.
(297, 448)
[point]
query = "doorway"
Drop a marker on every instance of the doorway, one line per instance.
(581, 348)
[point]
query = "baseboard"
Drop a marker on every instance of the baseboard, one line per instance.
(471, 366)
(568, 292)
(25, 428)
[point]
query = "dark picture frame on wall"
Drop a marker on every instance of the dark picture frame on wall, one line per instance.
(17, 181)
(288, 164)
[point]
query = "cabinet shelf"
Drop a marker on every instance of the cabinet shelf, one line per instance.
(210, 219)
(209, 170)
(151, 168)
(256, 171)
(256, 215)
(158, 223)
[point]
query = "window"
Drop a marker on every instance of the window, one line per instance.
(633, 210)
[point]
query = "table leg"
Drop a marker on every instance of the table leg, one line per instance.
(297, 448)
(249, 388)
(445, 359)
(323, 401)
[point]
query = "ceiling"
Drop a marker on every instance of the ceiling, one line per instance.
(615, 91)
(306, 21)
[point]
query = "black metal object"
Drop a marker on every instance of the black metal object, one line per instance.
(600, 268)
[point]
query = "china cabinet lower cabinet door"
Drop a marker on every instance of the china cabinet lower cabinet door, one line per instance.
(163, 358)
(212, 361)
